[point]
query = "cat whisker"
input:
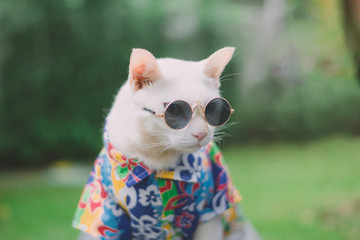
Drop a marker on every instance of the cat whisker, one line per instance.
(219, 134)
(153, 131)
(231, 74)
(217, 140)
(153, 145)
(167, 147)
(227, 125)
(225, 79)
(147, 146)
(149, 136)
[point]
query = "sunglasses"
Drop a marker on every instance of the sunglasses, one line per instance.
(178, 113)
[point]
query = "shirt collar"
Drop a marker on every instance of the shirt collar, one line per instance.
(131, 171)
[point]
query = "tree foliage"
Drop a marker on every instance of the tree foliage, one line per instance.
(62, 62)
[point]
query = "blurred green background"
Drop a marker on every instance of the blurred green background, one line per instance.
(294, 81)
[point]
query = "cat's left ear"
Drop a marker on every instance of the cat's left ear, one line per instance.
(143, 69)
(215, 64)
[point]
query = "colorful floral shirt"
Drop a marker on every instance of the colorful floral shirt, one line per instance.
(124, 199)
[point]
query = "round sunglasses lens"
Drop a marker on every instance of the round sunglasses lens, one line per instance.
(217, 112)
(178, 114)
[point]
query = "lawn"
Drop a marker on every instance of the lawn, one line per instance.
(290, 191)
(306, 191)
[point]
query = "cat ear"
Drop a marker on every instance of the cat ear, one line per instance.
(143, 69)
(215, 64)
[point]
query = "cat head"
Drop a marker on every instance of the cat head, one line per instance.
(153, 84)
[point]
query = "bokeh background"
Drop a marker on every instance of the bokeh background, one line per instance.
(294, 142)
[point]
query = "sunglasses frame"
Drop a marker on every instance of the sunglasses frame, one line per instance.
(162, 115)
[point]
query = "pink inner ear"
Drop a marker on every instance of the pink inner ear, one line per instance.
(217, 61)
(138, 78)
(143, 69)
(213, 72)
(138, 71)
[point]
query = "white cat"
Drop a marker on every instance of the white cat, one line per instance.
(153, 82)
(128, 194)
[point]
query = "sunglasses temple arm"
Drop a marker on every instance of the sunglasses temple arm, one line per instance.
(153, 112)
(150, 111)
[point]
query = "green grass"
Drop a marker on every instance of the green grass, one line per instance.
(309, 191)
(290, 191)
(34, 209)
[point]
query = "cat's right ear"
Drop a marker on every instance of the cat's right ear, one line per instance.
(215, 64)
(143, 69)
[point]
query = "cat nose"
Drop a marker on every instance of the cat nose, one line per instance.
(199, 135)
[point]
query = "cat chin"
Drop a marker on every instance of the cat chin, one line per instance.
(168, 159)
(191, 148)
(161, 163)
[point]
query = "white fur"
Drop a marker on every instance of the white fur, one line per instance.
(142, 135)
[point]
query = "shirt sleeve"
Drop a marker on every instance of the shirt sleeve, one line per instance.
(223, 194)
(97, 213)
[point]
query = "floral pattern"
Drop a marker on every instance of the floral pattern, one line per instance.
(184, 220)
(150, 195)
(124, 199)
